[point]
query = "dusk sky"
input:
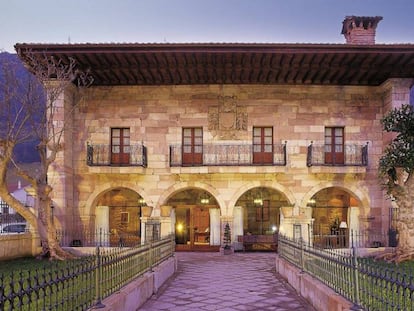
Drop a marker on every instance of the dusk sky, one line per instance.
(139, 21)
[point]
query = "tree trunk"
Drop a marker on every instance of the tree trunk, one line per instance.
(46, 228)
(403, 193)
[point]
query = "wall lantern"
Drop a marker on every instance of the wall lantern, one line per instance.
(204, 198)
(258, 201)
(141, 202)
(343, 225)
(311, 203)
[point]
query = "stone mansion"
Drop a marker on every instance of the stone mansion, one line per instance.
(183, 138)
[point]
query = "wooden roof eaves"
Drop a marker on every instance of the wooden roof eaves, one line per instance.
(210, 47)
(228, 63)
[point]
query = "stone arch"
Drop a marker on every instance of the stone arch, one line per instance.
(168, 193)
(196, 225)
(90, 203)
(351, 189)
(118, 211)
(266, 184)
(258, 219)
(334, 219)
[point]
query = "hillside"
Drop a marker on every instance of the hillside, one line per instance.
(25, 152)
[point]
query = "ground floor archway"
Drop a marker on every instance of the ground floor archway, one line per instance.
(334, 214)
(257, 218)
(196, 220)
(118, 217)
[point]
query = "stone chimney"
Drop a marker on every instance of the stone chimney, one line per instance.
(360, 29)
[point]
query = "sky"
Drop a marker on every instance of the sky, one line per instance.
(179, 21)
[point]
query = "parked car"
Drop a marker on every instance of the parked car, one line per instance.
(17, 227)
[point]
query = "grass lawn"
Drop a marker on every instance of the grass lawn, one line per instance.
(33, 284)
(24, 264)
(386, 286)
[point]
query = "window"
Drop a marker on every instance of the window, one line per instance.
(4, 208)
(263, 211)
(192, 146)
(262, 145)
(334, 145)
(120, 146)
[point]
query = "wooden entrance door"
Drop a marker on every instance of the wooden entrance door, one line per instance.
(262, 145)
(120, 146)
(192, 146)
(192, 228)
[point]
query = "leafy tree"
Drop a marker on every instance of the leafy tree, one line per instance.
(28, 106)
(396, 168)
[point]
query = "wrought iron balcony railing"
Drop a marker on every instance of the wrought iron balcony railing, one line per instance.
(101, 155)
(354, 155)
(229, 155)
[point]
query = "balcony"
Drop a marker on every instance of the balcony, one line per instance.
(101, 155)
(354, 156)
(228, 155)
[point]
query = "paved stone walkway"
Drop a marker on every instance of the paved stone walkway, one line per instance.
(211, 281)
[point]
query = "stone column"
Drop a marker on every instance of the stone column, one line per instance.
(102, 218)
(214, 226)
(173, 221)
(353, 218)
(60, 174)
(144, 221)
(165, 220)
(102, 224)
(286, 221)
(146, 212)
(303, 220)
(306, 221)
(237, 227)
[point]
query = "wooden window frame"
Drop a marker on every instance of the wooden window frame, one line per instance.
(123, 143)
(265, 143)
(192, 146)
(266, 211)
(333, 156)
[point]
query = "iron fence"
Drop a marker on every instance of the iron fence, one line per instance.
(228, 155)
(83, 237)
(11, 218)
(12, 223)
(343, 238)
(82, 283)
(97, 237)
(354, 155)
(100, 155)
(368, 284)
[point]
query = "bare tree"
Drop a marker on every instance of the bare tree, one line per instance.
(28, 112)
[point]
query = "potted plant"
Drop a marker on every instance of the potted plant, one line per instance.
(227, 249)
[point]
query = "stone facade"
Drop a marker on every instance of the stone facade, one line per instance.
(156, 116)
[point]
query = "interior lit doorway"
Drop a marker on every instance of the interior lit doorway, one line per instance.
(197, 221)
(192, 227)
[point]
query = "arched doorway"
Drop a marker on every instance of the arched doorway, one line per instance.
(197, 220)
(332, 217)
(118, 214)
(260, 217)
